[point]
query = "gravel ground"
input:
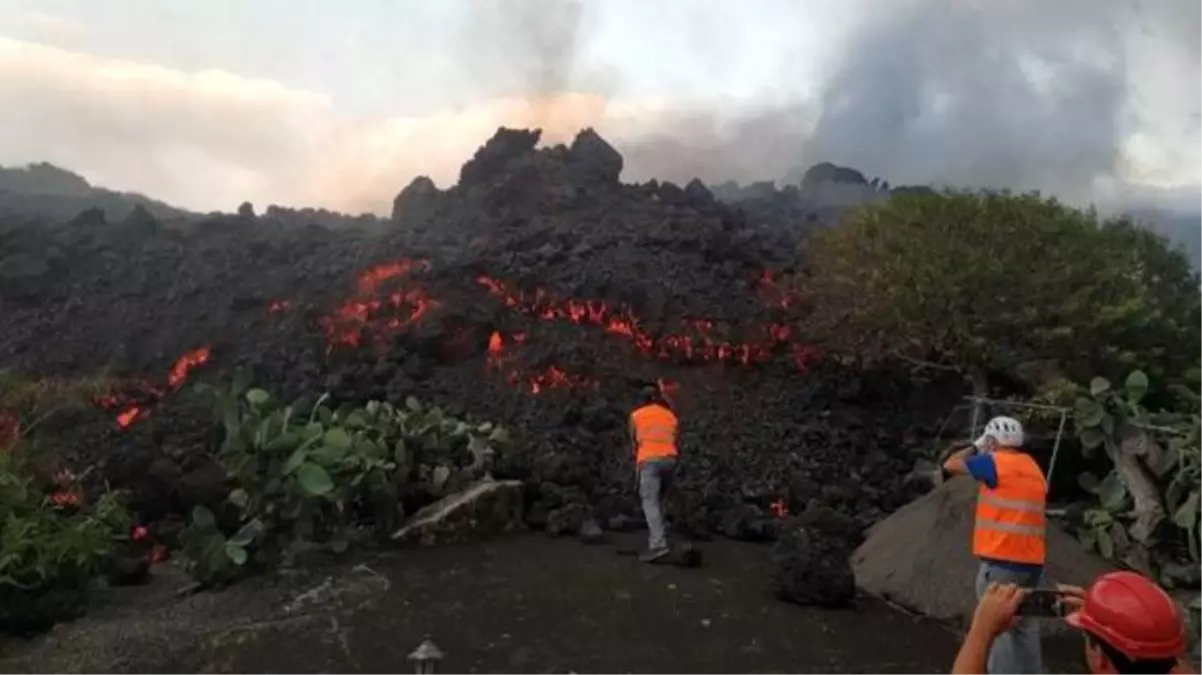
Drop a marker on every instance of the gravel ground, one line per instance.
(523, 604)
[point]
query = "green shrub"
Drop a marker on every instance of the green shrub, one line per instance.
(1001, 288)
(53, 544)
(323, 476)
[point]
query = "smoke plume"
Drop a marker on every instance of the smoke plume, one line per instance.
(1089, 99)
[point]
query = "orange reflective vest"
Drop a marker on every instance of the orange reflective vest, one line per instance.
(654, 432)
(1011, 522)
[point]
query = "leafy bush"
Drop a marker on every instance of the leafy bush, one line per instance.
(998, 284)
(1106, 521)
(53, 544)
(324, 476)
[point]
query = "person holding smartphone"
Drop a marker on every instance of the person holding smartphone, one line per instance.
(1009, 534)
(1129, 623)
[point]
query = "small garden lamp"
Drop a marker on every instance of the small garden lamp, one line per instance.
(426, 656)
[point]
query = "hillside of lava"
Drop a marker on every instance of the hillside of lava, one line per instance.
(539, 291)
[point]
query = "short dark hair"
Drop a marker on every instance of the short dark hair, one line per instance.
(648, 395)
(1125, 664)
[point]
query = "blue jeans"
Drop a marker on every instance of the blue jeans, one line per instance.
(655, 477)
(1017, 650)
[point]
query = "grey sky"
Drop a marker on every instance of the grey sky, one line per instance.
(404, 57)
(340, 104)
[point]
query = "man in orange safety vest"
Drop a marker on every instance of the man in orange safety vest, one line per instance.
(653, 435)
(1009, 537)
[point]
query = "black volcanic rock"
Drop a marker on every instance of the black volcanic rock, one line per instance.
(591, 287)
(494, 156)
(595, 157)
(417, 201)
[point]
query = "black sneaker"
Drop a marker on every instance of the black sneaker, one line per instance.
(654, 554)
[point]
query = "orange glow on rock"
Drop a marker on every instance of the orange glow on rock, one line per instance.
(134, 397)
(376, 311)
(388, 300)
(695, 346)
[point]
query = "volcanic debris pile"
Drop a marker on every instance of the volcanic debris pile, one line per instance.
(539, 291)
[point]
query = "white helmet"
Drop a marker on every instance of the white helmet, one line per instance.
(1007, 431)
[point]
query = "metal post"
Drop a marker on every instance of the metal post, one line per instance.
(1056, 448)
(976, 417)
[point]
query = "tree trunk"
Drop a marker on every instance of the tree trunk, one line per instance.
(1136, 450)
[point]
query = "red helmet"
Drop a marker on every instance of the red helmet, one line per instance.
(1132, 614)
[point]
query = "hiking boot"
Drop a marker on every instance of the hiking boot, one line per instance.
(653, 555)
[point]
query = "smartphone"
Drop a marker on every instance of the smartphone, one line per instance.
(1042, 602)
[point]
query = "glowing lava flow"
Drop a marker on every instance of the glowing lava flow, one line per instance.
(382, 312)
(551, 377)
(371, 310)
(136, 406)
(622, 322)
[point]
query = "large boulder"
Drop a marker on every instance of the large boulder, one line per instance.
(920, 557)
(595, 157)
(416, 202)
(492, 159)
(483, 510)
(811, 563)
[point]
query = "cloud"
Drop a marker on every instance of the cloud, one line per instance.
(208, 139)
(195, 138)
(47, 27)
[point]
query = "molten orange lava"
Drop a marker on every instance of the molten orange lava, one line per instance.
(551, 377)
(132, 408)
(183, 365)
(622, 322)
(382, 312)
(371, 310)
(496, 344)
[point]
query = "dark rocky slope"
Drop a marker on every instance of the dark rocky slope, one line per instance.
(538, 291)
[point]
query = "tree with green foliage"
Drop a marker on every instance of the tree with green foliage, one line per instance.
(999, 285)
